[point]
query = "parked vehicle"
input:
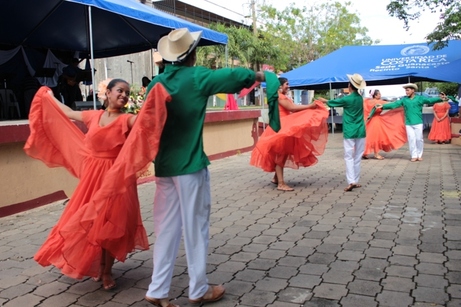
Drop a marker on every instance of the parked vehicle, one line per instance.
(431, 92)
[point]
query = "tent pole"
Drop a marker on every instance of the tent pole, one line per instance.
(151, 62)
(331, 115)
(92, 55)
(262, 100)
(226, 55)
(105, 68)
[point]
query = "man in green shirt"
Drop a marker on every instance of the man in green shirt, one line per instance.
(353, 128)
(413, 107)
(182, 198)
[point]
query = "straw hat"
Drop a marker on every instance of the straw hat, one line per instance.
(411, 85)
(357, 81)
(178, 44)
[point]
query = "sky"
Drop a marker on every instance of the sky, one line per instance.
(373, 15)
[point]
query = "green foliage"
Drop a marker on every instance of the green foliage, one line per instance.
(241, 44)
(287, 39)
(445, 87)
(308, 33)
(449, 27)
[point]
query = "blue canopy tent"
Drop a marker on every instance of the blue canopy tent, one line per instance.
(93, 28)
(109, 27)
(447, 73)
(379, 65)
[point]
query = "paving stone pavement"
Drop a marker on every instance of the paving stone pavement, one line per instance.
(394, 242)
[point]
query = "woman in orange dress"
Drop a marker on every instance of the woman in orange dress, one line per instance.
(385, 131)
(102, 220)
(440, 129)
(302, 137)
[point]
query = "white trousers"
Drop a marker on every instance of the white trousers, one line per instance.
(415, 140)
(353, 152)
(181, 206)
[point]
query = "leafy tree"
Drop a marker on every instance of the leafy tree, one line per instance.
(449, 27)
(215, 56)
(243, 48)
(308, 33)
(289, 38)
(445, 87)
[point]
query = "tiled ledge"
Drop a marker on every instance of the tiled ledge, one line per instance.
(18, 130)
(220, 116)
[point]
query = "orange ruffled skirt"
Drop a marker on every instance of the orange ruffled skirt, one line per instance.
(385, 131)
(301, 139)
(440, 130)
(103, 212)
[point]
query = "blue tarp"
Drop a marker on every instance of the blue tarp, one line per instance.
(450, 73)
(119, 26)
(378, 64)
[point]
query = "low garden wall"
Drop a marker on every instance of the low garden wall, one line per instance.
(27, 183)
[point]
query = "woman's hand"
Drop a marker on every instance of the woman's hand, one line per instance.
(322, 99)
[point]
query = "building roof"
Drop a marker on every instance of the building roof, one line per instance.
(202, 12)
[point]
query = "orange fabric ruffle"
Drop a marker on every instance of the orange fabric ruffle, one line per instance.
(440, 130)
(385, 130)
(301, 139)
(103, 212)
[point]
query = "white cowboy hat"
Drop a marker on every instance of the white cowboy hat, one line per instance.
(411, 85)
(175, 46)
(357, 81)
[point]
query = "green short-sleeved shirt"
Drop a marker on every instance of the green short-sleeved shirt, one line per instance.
(413, 108)
(181, 144)
(353, 121)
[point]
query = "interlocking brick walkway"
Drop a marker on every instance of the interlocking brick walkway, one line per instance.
(394, 242)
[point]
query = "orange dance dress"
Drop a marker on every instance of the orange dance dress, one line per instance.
(440, 130)
(103, 212)
(302, 137)
(385, 130)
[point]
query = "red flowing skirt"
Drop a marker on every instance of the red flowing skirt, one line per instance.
(103, 212)
(385, 131)
(440, 130)
(301, 139)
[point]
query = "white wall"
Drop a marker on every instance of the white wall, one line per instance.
(386, 90)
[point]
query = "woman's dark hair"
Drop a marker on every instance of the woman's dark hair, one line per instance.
(145, 81)
(113, 82)
(374, 93)
(283, 80)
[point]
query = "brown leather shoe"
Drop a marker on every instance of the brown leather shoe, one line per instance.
(158, 302)
(213, 294)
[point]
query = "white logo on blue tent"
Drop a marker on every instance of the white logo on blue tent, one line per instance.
(414, 50)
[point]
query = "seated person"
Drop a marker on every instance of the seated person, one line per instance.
(69, 84)
(145, 83)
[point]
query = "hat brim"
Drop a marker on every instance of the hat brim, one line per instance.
(162, 48)
(360, 86)
(413, 86)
